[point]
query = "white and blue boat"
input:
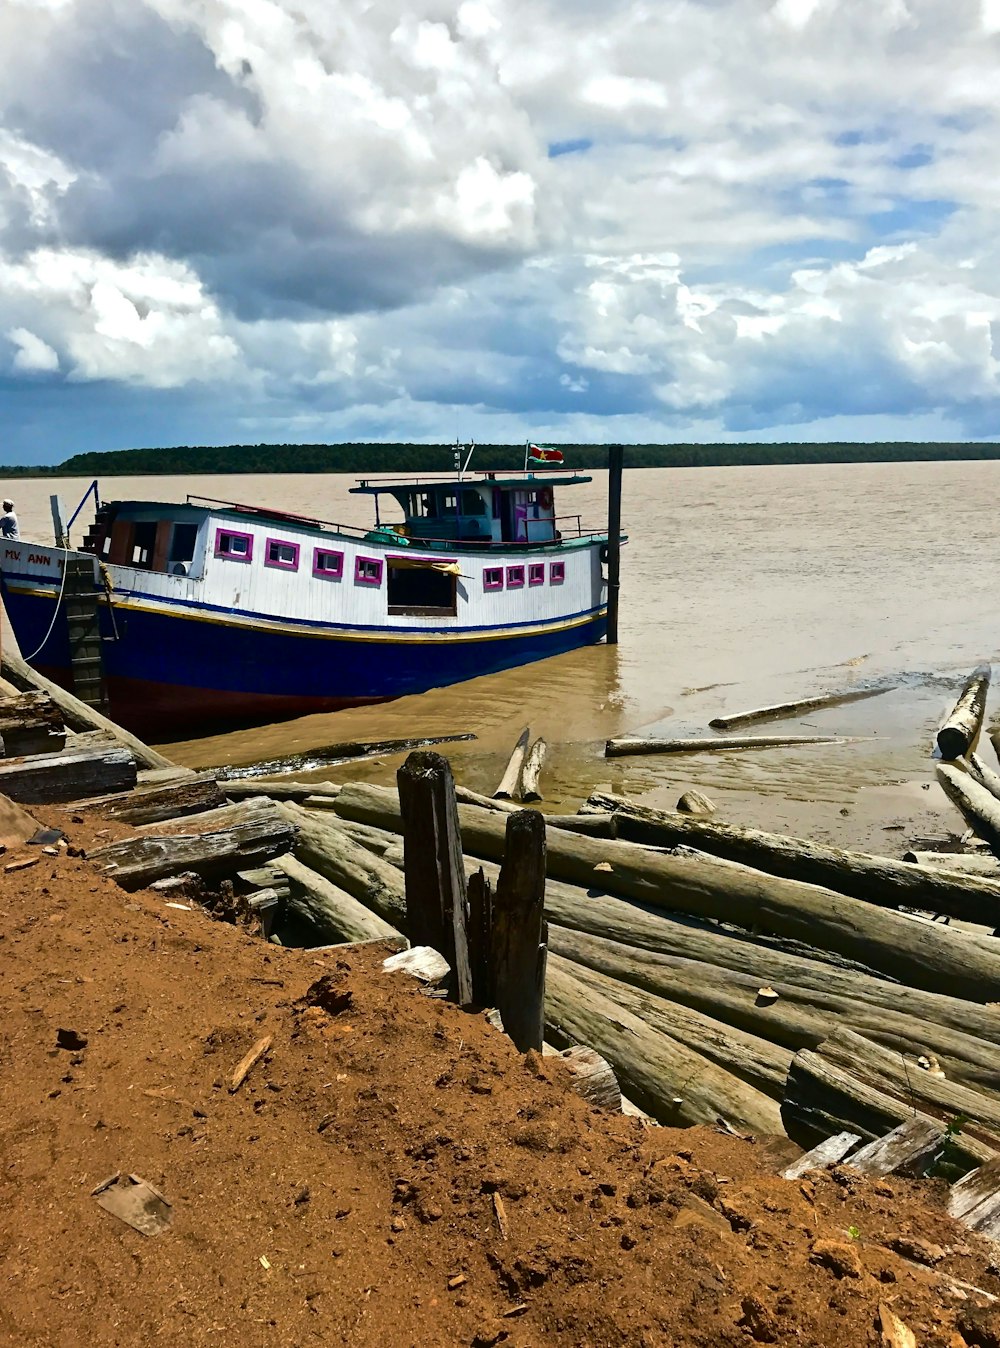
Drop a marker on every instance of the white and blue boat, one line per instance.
(211, 610)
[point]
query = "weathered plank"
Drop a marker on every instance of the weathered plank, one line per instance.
(45, 779)
(31, 723)
(826, 1153)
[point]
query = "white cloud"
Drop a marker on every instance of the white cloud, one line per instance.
(33, 356)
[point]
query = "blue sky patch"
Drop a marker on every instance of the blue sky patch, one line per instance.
(580, 145)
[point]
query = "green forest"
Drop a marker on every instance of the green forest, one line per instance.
(406, 458)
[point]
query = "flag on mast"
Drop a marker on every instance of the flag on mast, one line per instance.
(544, 454)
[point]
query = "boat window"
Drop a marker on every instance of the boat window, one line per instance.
(536, 573)
(493, 578)
(183, 542)
(283, 555)
(368, 571)
(557, 573)
(237, 547)
(143, 544)
(421, 591)
(515, 577)
(473, 503)
(328, 564)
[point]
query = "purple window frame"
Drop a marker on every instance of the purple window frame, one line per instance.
(233, 556)
(513, 572)
(360, 578)
(329, 572)
(536, 573)
(557, 573)
(282, 566)
(492, 584)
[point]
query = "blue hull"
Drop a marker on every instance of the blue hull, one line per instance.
(186, 666)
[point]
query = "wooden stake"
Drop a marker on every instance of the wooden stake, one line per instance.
(481, 938)
(434, 872)
(519, 932)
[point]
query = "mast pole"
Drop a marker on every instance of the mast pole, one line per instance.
(616, 460)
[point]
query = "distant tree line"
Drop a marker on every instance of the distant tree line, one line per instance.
(404, 458)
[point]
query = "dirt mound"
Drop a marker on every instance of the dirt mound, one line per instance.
(390, 1171)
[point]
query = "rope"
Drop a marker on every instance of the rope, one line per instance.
(62, 589)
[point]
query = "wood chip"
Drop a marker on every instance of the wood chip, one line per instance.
(500, 1212)
(894, 1333)
(766, 995)
(516, 1310)
(458, 1281)
(247, 1064)
(23, 864)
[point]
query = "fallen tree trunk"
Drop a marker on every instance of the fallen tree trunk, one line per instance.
(31, 723)
(822, 1098)
(335, 914)
(620, 748)
(49, 779)
(327, 848)
(138, 862)
(985, 776)
(797, 1017)
(297, 791)
(77, 714)
(874, 879)
(960, 731)
(759, 1063)
(310, 759)
(532, 770)
(783, 709)
(664, 1077)
(971, 863)
(930, 957)
(980, 808)
(593, 825)
(511, 778)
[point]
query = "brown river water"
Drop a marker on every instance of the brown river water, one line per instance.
(740, 587)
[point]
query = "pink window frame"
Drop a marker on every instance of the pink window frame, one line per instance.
(492, 584)
(326, 571)
(233, 556)
(282, 566)
(536, 573)
(557, 573)
(513, 584)
(360, 579)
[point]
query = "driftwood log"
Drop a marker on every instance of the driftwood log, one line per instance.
(983, 774)
(325, 847)
(532, 770)
(930, 957)
(77, 714)
(332, 912)
(31, 723)
(75, 774)
(628, 745)
(311, 759)
(874, 879)
(137, 862)
(979, 806)
(590, 1075)
(511, 779)
(664, 1077)
(297, 791)
(797, 1017)
(971, 863)
(151, 805)
(782, 709)
(961, 730)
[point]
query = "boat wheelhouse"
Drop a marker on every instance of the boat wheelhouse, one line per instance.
(210, 610)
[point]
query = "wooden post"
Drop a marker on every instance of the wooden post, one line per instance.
(616, 460)
(481, 938)
(519, 931)
(432, 864)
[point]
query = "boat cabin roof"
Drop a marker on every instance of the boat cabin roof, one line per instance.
(524, 481)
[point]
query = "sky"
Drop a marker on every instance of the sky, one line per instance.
(256, 221)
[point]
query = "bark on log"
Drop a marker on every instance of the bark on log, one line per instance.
(436, 911)
(77, 714)
(621, 748)
(508, 787)
(980, 808)
(31, 723)
(799, 1017)
(961, 730)
(137, 862)
(209, 821)
(532, 770)
(325, 847)
(297, 791)
(873, 879)
(664, 1077)
(912, 1085)
(782, 709)
(970, 863)
(517, 941)
(931, 957)
(152, 805)
(822, 1098)
(985, 776)
(311, 759)
(335, 914)
(49, 779)
(759, 1063)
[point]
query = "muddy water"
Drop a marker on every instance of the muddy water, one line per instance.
(741, 586)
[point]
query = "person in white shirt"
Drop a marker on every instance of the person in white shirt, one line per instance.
(8, 521)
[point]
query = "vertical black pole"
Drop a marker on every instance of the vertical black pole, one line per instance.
(616, 460)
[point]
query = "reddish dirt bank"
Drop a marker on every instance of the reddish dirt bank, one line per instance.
(347, 1193)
